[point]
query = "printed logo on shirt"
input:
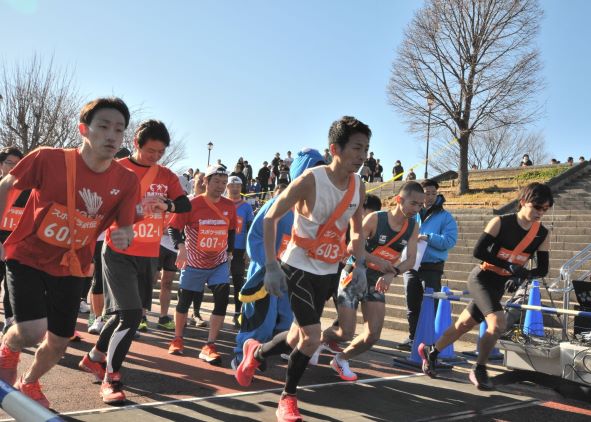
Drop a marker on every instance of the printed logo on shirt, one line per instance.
(382, 239)
(92, 201)
(330, 234)
(353, 206)
(114, 192)
(211, 222)
(403, 242)
(157, 189)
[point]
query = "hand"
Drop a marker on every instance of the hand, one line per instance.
(424, 237)
(384, 266)
(122, 237)
(512, 285)
(519, 271)
(153, 204)
(275, 280)
(383, 283)
(359, 277)
(181, 257)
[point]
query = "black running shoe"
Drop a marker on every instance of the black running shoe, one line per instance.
(429, 363)
(479, 377)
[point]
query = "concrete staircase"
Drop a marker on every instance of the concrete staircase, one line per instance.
(569, 223)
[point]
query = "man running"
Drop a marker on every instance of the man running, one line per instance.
(505, 247)
(204, 257)
(76, 195)
(244, 218)
(128, 274)
(325, 199)
(387, 233)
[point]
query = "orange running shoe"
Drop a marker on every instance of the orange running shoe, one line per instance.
(97, 369)
(111, 389)
(8, 363)
(210, 354)
(287, 411)
(176, 346)
(249, 364)
(32, 390)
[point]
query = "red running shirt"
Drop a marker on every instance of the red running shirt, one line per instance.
(206, 231)
(148, 230)
(101, 199)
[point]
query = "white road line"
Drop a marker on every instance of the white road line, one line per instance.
(231, 395)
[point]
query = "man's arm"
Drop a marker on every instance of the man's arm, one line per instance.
(5, 184)
(411, 251)
(447, 238)
(357, 235)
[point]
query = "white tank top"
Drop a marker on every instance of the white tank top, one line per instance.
(328, 197)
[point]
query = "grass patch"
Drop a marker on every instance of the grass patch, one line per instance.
(541, 175)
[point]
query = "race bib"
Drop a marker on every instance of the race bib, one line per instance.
(11, 219)
(149, 230)
(330, 248)
(55, 231)
(212, 238)
(386, 253)
(239, 221)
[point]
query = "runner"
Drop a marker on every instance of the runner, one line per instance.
(265, 315)
(244, 218)
(15, 204)
(209, 229)
(505, 247)
(75, 191)
(325, 199)
(387, 233)
(128, 274)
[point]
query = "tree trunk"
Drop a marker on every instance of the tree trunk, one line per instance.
(463, 170)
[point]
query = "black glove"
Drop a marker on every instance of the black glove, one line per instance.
(512, 285)
(519, 271)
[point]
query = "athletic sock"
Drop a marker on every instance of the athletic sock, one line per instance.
(295, 369)
(433, 353)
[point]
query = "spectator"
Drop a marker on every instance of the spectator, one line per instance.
(379, 173)
(222, 165)
(554, 161)
(365, 172)
(283, 174)
(474, 167)
(263, 177)
(254, 189)
(327, 157)
(275, 161)
(525, 161)
(398, 170)
(411, 175)
(240, 162)
(238, 172)
(247, 170)
(581, 159)
(570, 161)
(371, 163)
(288, 160)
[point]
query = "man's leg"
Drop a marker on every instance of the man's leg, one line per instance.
(495, 327)
(345, 331)
(413, 289)
(373, 316)
(47, 355)
(221, 297)
(165, 291)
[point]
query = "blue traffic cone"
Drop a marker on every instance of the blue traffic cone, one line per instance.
(533, 324)
(425, 332)
(442, 323)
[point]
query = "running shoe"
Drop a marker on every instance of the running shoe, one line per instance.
(97, 325)
(111, 389)
(97, 369)
(197, 321)
(332, 346)
(176, 346)
(76, 337)
(84, 307)
(8, 363)
(406, 345)
(341, 366)
(479, 377)
(166, 323)
(33, 391)
(143, 326)
(429, 363)
(287, 410)
(210, 354)
(249, 364)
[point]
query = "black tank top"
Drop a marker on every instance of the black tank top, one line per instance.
(512, 233)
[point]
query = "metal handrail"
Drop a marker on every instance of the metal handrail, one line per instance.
(565, 278)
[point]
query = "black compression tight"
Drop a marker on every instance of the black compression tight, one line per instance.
(117, 335)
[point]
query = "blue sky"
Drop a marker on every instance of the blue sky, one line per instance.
(257, 77)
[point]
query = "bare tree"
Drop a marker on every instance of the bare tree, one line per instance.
(39, 106)
(477, 61)
(504, 147)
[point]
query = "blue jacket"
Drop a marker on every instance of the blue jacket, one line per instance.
(441, 228)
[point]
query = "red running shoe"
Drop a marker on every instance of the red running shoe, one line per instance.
(287, 411)
(332, 346)
(111, 389)
(8, 363)
(176, 346)
(249, 364)
(32, 390)
(97, 369)
(210, 355)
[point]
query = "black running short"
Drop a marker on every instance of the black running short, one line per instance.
(34, 294)
(96, 287)
(487, 289)
(167, 260)
(307, 294)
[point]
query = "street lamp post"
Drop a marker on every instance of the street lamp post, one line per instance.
(430, 102)
(209, 148)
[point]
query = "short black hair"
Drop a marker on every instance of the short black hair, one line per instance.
(152, 129)
(341, 130)
(410, 187)
(429, 182)
(89, 109)
(536, 193)
(372, 202)
(6, 151)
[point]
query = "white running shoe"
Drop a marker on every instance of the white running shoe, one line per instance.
(97, 325)
(84, 307)
(341, 366)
